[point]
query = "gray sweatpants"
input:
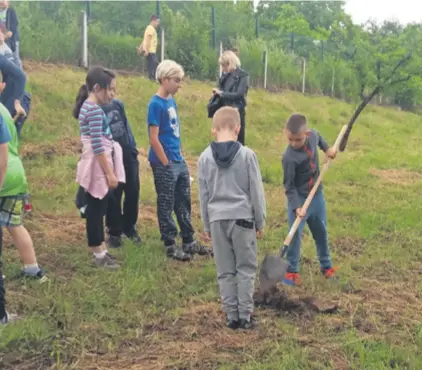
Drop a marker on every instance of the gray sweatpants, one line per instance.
(235, 257)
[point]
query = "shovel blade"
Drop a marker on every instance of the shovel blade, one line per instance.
(272, 271)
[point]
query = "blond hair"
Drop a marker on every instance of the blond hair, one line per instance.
(169, 69)
(230, 60)
(226, 118)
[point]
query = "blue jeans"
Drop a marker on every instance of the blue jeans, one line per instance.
(316, 218)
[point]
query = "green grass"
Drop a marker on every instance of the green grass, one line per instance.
(160, 314)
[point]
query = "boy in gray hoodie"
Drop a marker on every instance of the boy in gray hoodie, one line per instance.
(233, 210)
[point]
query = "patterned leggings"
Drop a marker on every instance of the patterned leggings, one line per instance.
(172, 184)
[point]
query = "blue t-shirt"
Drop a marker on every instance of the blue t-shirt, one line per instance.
(163, 113)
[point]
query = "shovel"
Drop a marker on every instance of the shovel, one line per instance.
(273, 268)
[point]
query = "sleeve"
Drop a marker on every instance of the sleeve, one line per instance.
(4, 132)
(14, 23)
(15, 80)
(241, 91)
(321, 142)
(95, 119)
(289, 172)
(149, 31)
(203, 196)
(154, 110)
(257, 192)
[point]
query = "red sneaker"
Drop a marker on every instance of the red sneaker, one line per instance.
(330, 273)
(291, 278)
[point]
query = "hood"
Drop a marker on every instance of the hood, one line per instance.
(224, 153)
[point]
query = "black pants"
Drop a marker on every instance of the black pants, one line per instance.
(172, 184)
(95, 212)
(2, 291)
(118, 223)
(241, 136)
(152, 65)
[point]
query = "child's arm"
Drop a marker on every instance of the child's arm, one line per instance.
(257, 193)
(204, 196)
(4, 139)
(289, 172)
(95, 121)
(330, 152)
(154, 130)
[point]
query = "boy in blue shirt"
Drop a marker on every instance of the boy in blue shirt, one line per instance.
(171, 174)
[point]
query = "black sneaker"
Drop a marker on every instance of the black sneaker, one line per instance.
(232, 324)
(197, 248)
(114, 241)
(247, 324)
(134, 237)
(177, 253)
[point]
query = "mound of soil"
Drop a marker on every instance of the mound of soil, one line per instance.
(278, 300)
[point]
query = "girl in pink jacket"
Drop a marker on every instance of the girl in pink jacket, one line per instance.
(100, 167)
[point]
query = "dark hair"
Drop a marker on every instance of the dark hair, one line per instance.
(296, 123)
(96, 76)
(153, 18)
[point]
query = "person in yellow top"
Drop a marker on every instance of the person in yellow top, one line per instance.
(149, 46)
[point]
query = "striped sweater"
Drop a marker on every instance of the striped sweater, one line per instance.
(93, 123)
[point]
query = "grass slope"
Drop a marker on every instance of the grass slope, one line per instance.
(159, 314)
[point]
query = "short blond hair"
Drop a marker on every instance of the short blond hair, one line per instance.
(230, 60)
(169, 69)
(226, 118)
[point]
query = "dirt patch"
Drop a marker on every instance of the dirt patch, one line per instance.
(66, 146)
(279, 301)
(147, 214)
(53, 229)
(397, 176)
(197, 339)
(349, 246)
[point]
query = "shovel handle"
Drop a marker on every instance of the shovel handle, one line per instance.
(308, 200)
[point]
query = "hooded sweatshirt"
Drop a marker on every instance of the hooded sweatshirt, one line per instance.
(230, 184)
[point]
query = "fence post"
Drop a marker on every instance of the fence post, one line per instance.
(213, 39)
(221, 53)
(162, 44)
(303, 75)
(84, 54)
(265, 69)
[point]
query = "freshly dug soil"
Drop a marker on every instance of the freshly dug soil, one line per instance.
(278, 300)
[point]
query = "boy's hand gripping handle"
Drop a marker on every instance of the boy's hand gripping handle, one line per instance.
(308, 201)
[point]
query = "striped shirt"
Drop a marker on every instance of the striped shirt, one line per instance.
(93, 123)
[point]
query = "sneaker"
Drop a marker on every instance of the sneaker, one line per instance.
(197, 248)
(9, 318)
(247, 324)
(177, 253)
(114, 241)
(330, 273)
(291, 278)
(40, 275)
(134, 237)
(232, 324)
(108, 261)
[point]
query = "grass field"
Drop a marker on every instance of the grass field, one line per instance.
(159, 314)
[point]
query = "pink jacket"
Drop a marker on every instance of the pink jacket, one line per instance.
(89, 173)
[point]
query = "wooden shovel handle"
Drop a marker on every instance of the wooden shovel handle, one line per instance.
(314, 189)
